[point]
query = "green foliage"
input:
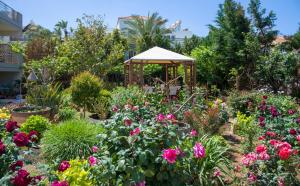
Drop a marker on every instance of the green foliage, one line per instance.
(66, 113)
(131, 95)
(247, 128)
(85, 88)
(37, 123)
(69, 140)
(101, 106)
(45, 96)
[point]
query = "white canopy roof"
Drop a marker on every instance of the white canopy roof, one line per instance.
(157, 54)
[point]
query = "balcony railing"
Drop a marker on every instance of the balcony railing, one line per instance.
(7, 56)
(10, 14)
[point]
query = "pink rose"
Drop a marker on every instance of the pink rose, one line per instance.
(160, 117)
(94, 148)
(171, 117)
(284, 153)
(127, 121)
(18, 163)
(64, 165)
(21, 139)
(60, 183)
(298, 139)
(249, 159)
(217, 172)
(115, 108)
(199, 150)
(170, 155)
(2, 148)
(136, 131)
(193, 133)
(251, 177)
(263, 156)
(142, 183)
(92, 160)
(22, 178)
(261, 148)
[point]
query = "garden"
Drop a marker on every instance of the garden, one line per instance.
(79, 124)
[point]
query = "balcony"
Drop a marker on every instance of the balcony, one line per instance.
(10, 19)
(9, 61)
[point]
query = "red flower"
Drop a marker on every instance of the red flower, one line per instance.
(271, 134)
(263, 137)
(18, 163)
(261, 148)
(293, 132)
(127, 121)
(193, 133)
(22, 178)
(64, 165)
(170, 155)
(115, 108)
(298, 139)
(263, 156)
(60, 183)
(274, 142)
(274, 111)
(171, 117)
(251, 177)
(21, 139)
(135, 131)
(265, 97)
(33, 135)
(249, 159)
(2, 148)
(284, 153)
(291, 111)
(11, 125)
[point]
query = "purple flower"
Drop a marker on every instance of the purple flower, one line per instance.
(199, 150)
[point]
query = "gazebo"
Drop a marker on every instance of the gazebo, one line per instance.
(134, 67)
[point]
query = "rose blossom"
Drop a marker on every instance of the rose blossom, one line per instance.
(171, 117)
(170, 155)
(265, 97)
(271, 134)
(217, 172)
(136, 131)
(298, 139)
(22, 178)
(160, 117)
(94, 148)
(249, 159)
(280, 181)
(2, 148)
(92, 160)
(291, 111)
(33, 135)
(11, 125)
(127, 121)
(21, 139)
(284, 153)
(193, 133)
(199, 150)
(141, 183)
(293, 132)
(115, 108)
(18, 163)
(263, 137)
(273, 111)
(263, 156)
(251, 177)
(64, 165)
(298, 120)
(59, 183)
(273, 142)
(261, 148)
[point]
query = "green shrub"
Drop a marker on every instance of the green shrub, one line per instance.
(69, 140)
(127, 95)
(37, 123)
(66, 113)
(101, 106)
(45, 96)
(85, 89)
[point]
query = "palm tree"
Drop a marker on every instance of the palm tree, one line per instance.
(62, 25)
(142, 31)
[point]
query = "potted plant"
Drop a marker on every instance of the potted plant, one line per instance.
(20, 114)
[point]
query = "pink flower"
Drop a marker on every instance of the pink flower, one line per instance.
(64, 165)
(217, 172)
(293, 132)
(273, 142)
(92, 160)
(127, 121)
(115, 108)
(160, 117)
(280, 181)
(263, 156)
(274, 111)
(21, 139)
(170, 155)
(171, 117)
(271, 134)
(298, 139)
(179, 152)
(291, 111)
(18, 164)
(136, 131)
(298, 120)
(263, 137)
(60, 183)
(135, 108)
(261, 148)
(2, 148)
(193, 133)
(283, 145)
(251, 177)
(199, 150)
(22, 178)
(249, 159)
(142, 183)
(95, 148)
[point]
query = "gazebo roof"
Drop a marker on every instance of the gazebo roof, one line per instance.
(157, 55)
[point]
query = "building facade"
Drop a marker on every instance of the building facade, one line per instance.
(10, 62)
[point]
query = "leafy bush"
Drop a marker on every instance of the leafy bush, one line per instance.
(45, 96)
(36, 123)
(85, 89)
(127, 95)
(66, 113)
(135, 151)
(69, 140)
(101, 106)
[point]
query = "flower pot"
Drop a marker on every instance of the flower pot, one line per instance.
(21, 114)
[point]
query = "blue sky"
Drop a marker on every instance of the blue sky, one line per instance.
(195, 14)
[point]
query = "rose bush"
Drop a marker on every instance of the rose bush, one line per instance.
(276, 158)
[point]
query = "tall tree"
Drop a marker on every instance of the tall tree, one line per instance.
(62, 26)
(262, 24)
(144, 31)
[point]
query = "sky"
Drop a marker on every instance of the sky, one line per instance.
(194, 14)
